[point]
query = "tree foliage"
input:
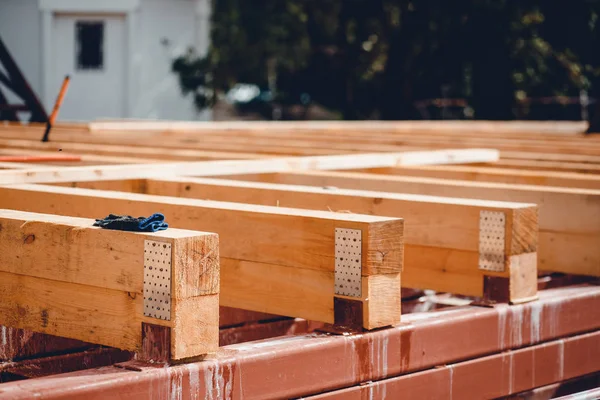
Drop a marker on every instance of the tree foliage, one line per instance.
(378, 58)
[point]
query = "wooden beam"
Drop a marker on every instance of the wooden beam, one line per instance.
(273, 259)
(444, 258)
(558, 166)
(575, 158)
(373, 141)
(309, 138)
(371, 135)
(135, 138)
(569, 219)
(62, 276)
(212, 168)
(518, 129)
(86, 159)
(490, 174)
(125, 185)
(370, 138)
(15, 165)
(186, 154)
(124, 150)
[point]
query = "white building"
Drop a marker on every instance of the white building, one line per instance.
(117, 52)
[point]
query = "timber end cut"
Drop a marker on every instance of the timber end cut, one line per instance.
(508, 245)
(368, 266)
(64, 277)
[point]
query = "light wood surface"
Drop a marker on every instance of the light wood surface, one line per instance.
(291, 244)
(62, 276)
(491, 174)
(569, 219)
(441, 234)
(212, 168)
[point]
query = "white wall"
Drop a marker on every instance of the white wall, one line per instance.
(153, 89)
(20, 29)
(157, 90)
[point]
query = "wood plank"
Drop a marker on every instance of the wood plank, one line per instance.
(212, 168)
(251, 236)
(310, 137)
(62, 276)
(569, 219)
(373, 132)
(125, 185)
(399, 142)
(135, 139)
(16, 165)
(86, 159)
(518, 129)
(371, 140)
(491, 174)
(559, 166)
(449, 249)
(123, 150)
(183, 154)
(522, 155)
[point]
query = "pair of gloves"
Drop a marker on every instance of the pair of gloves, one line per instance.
(154, 223)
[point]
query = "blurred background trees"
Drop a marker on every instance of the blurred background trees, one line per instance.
(398, 59)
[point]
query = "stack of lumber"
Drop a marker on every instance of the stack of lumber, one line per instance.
(322, 221)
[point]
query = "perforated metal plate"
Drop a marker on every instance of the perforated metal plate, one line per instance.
(157, 280)
(492, 227)
(348, 262)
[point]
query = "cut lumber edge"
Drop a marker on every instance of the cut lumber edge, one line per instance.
(510, 263)
(89, 274)
(373, 299)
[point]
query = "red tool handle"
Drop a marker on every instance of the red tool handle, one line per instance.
(59, 99)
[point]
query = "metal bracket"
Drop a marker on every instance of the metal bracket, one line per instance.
(348, 262)
(492, 229)
(157, 280)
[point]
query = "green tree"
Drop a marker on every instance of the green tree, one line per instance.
(376, 58)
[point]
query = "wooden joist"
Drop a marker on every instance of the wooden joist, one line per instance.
(323, 138)
(371, 139)
(543, 165)
(62, 276)
(489, 174)
(569, 219)
(68, 159)
(273, 259)
(123, 150)
(228, 167)
(269, 137)
(530, 156)
(517, 129)
(442, 235)
(16, 165)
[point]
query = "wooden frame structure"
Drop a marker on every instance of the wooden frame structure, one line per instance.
(18, 85)
(426, 203)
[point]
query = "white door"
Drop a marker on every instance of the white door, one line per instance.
(91, 49)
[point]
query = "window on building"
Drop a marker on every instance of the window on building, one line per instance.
(90, 45)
